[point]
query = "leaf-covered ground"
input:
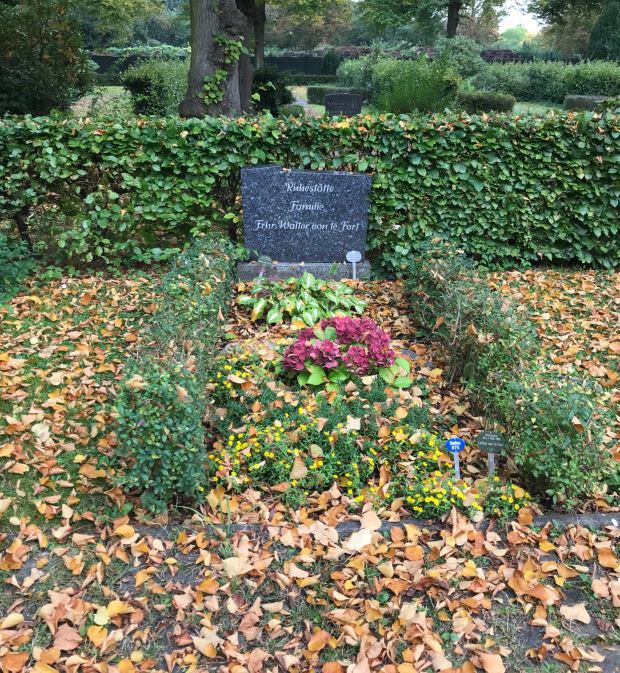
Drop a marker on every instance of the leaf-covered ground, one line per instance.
(90, 585)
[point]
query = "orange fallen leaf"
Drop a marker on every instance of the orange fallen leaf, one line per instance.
(492, 663)
(575, 613)
(67, 638)
(318, 640)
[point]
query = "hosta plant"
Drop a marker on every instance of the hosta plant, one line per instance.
(339, 348)
(303, 301)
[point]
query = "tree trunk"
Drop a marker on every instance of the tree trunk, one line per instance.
(246, 72)
(454, 16)
(209, 19)
(260, 19)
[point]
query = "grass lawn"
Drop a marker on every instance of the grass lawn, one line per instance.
(522, 107)
(88, 579)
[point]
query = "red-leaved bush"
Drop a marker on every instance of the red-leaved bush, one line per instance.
(356, 344)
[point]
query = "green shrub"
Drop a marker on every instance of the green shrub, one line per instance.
(546, 81)
(357, 73)
(162, 399)
(475, 102)
(316, 94)
(509, 190)
(406, 86)
(42, 65)
(15, 264)
(462, 54)
(270, 85)
(157, 86)
(292, 110)
(609, 105)
(493, 349)
(331, 60)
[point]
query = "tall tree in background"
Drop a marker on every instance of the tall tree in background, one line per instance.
(390, 14)
(42, 65)
(218, 30)
(605, 38)
(569, 23)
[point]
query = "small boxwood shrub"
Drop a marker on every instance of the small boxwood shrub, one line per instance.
(494, 351)
(316, 94)
(157, 86)
(270, 87)
(161, 448)
(474, 102)
(291, 110)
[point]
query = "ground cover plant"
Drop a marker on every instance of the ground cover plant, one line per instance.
(90, 577)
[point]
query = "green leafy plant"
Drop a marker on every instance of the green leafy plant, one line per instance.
(304, 300)
(269, 90)
(162, 396)
(554, 424)
(16, 263)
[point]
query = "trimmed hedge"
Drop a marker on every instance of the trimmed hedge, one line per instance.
(475, 102)
(540, 81)
(300, 79)
(510, 190)
(316, 94)
(162, 399)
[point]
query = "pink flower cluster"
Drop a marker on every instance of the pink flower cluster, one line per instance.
(359, 345)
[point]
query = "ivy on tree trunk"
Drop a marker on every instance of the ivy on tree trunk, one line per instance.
(218, 29)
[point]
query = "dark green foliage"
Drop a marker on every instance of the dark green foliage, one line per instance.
(316, 94)
(270, 85)
(42, 65)
(494, 351)
(157, 86)
(462, 54)
(510, 190)
(475, 102)
(300, 79)
(605, 38)
(331, 61)
(15, 264)
(161, 448)
(540, 81)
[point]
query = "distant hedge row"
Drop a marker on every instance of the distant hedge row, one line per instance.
(542, 82)
(507, 189)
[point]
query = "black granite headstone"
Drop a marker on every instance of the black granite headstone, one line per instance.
(294, 216)
(345, 104)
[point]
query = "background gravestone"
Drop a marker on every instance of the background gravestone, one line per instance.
(309, 218)
(346, 104)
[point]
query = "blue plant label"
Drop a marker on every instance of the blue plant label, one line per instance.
(455, 445)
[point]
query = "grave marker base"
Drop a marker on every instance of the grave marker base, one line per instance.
(283, 270)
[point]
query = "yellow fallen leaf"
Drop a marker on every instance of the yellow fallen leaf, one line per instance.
(358, 540)
(11, 620)
(117, 607)
(97, 635)
(575, 613)
(125, 531)
(318, 640)
(235, 566)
